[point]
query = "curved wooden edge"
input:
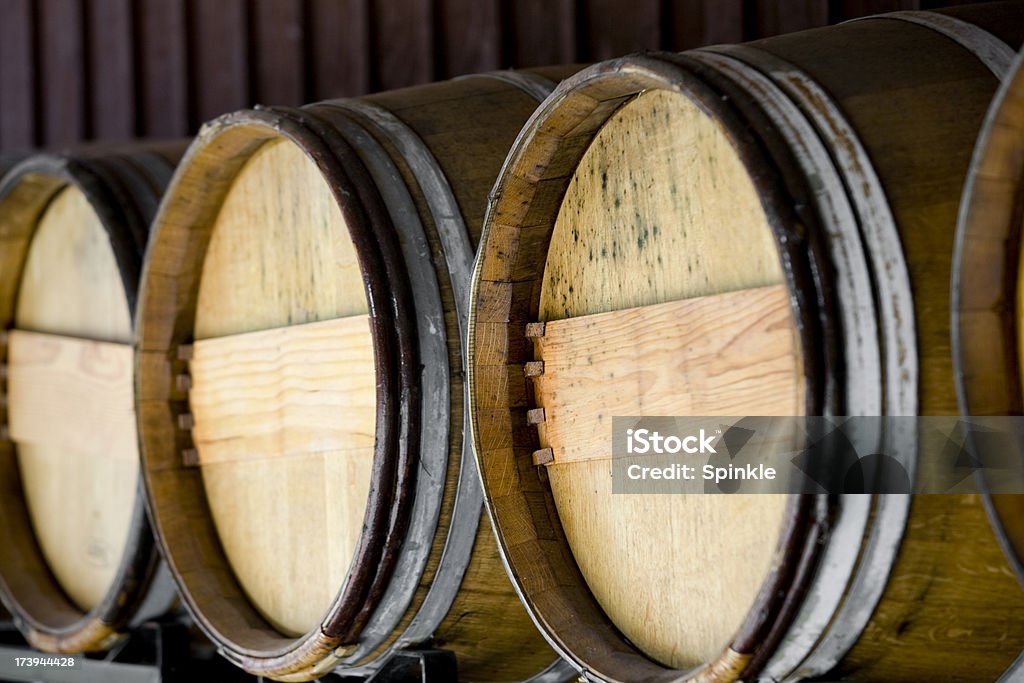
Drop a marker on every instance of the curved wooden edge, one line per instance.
(40, 608)
(505, 294)
(167, 311)
(986, 322)
(388, 515)
(382, 632)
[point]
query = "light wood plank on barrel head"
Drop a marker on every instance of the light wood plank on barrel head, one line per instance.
(280, 255)
(730, 352)
(284, 392)
(661, 209)
(80, 498)
(83, 387)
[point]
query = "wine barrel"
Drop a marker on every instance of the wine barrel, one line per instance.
(78, 564)
(300, 383)
(762, 229)
(987, 287)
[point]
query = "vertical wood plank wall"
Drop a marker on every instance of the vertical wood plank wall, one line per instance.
(74, 70)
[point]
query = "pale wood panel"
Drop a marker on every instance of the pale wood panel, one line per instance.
(68, 393)
(289, 391)
(289, 528)
(734, 354)
(676, 573)
(80, 495)
(661, 209)
(71, 284)
(280, 253)
(288, 494)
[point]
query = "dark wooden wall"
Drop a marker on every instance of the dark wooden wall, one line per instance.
(73, 70)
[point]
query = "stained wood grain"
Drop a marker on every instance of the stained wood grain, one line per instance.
(80, 480)
(257, 272)
(633, 244)
(631, 232)
(70, 284)
(284, 415)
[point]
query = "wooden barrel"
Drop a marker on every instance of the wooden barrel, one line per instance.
(987, 290)
(763, 229)
(78, 564)
(300, 383)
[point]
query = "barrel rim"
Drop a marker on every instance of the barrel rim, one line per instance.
(571, 113)
(999, 393)
(69, 629)
(242, 133)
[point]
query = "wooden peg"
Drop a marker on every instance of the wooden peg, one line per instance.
(535, 416)
(185, 352)
(534, 330)
(183, 382)
(534, 368)
(544, 456)
(190, 457)
(186, 422)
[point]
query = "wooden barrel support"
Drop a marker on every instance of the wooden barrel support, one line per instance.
(79, 564)
(647, 198)
(263, 364)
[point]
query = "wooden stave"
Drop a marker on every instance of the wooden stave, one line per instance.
(984, 293)
(434, 154)
(494, 270)
(123, 185)
(936, 392)
(316, 653)
(841, 615)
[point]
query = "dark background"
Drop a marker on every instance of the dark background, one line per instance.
(73, 70)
